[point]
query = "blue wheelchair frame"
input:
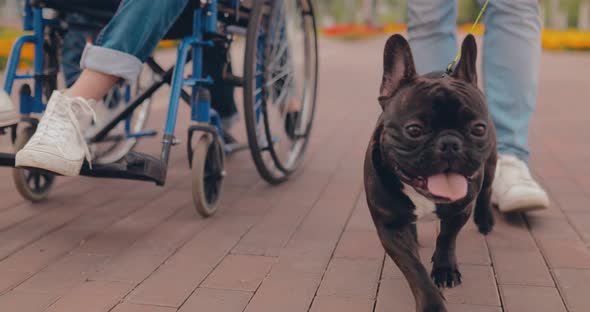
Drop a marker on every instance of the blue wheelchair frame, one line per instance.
(143, 167)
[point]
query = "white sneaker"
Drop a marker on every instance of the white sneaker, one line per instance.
(58, 145)
(514, 189)
(8, 113)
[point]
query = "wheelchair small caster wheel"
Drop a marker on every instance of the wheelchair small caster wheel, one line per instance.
(207, 174)
(33, 185)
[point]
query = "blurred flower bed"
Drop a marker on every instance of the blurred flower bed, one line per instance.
(9, 35)
(571, 39)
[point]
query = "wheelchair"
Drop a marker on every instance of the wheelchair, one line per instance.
(280, 64)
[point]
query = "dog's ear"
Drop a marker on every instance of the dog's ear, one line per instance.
(466, 68)
(398, 65)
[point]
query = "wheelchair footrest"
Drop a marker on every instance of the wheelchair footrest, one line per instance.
(135, 166)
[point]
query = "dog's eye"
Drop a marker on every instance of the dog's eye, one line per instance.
(414, 131)
(478, 130)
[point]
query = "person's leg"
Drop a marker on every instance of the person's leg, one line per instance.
(511, 58)
(59, 145)
(431, 31)
(124, 44)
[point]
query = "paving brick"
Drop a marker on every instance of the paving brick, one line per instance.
(472, 248)
(531, 299)
(581, 222)
(38, 254)
(510, 233)
(359, 245)
(478, 287)
(176, 279)
(61, 276)
(239, 272)
(32, 229)
(566, 253)
(521, 268)
(273, 232)
(94, 296)
(574, 286)
(130, 307)
(361, 218)
(10, 279)
(128, 230)
(285, 291)
(331, 304)
(218, 300)
(390, 269)
(554, 229)
(25, 301)
(298, 272)
(395, 295)
(351, 278)
(153, 249)
(472, 308)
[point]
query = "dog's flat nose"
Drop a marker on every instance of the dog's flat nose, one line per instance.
(449, 145)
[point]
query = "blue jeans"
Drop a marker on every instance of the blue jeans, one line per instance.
(130, 38)
(511, 57)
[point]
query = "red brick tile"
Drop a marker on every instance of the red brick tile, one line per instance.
(471, 247)
(521, 268)
(395, 295)
(359, 245)
(351, 278)
(285, 291)
(176, 279)
(239, 272)
(566, 254)
(558, 229)
(581, 221)
(331, 304)
(11, 278)
(478, 287)
(472, 308)
(95, 296)
(218, 300)
(574, 287)
(531, 299)
(271, 234)
(32, 229)
(128, 230)
(390, 269)
(510, 234)
(25, 301)
(361, 218)
(153, 249)
(130, 307)
(40, 253)
(61, 276)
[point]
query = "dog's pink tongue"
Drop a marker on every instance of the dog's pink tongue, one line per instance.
(452, 186)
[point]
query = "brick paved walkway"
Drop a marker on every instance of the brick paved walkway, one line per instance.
(308, 245)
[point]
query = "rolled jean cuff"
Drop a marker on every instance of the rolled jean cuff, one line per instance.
(111, 62)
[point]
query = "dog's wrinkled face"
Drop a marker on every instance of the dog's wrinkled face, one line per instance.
(437, 133)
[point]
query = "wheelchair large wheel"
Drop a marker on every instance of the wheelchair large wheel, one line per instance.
(34, 185)
(280, 85)
(117, 144)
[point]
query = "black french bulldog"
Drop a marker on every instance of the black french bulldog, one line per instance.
(433, 152)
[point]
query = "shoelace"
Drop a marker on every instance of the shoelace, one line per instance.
(58, 129)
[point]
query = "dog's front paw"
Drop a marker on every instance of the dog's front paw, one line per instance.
(446, 276)
(484, 219)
